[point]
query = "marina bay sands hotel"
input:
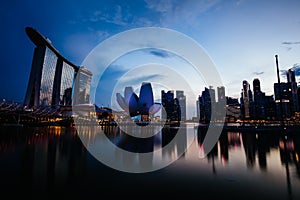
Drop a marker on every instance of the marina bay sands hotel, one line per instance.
(54, 81)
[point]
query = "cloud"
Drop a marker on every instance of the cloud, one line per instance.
(283, 73)
(258, 73)
(178, 11)
(239, 2)
(290, 43)
(107, 82)
(160, 53)
(145, 22)
(139, 78)
(118, 18)
(296, 69)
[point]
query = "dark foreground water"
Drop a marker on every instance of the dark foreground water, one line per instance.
(51, 162)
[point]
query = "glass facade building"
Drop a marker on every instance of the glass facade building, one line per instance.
(52, 77)
(66, 85)
(82, 86)
(182, 102)
(47, 80)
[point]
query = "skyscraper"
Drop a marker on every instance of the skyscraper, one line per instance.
(246, 100)
(182, 102)
(221, 104)
(221, 94)
(171, 106)
(82, 86)
(256, 87)
(52, 76)
(206, 101)
(283, 93)
(259, 100)
(294, 99)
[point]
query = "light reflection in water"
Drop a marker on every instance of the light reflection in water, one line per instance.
(48, 159)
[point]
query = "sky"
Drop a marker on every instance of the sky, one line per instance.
(241, 37)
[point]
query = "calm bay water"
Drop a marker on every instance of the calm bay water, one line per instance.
(40, 162)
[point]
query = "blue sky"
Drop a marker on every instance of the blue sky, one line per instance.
(240, 36)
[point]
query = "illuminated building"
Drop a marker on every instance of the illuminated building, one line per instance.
(284, 91)
(52, 77)
(293, 84)
(206, 101)
(141, 106)
(171, 106)
(246, 101)
(182, 102)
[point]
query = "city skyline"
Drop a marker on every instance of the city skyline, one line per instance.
(51, 71)
(232, 36)
(150, 98)
(53, 83)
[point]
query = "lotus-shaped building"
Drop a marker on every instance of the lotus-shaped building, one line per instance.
(143, 105)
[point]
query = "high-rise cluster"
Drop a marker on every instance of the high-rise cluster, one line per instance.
(174, 107)
(208, 108)
(258, 106)
(286, 96)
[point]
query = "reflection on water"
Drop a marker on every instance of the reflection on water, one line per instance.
(52, 160)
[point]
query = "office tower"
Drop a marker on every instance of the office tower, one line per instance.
(52, 76)
(290, 74)
(206, 102)
(283, 93)
(182, 102)
(198, 108)
(221, 104)
(171, 106)
(82, 86)
(294, 98)
(233, 111)
(246, 99)
(259, 100)
(270, 107)
(256, 87)
(221, 94)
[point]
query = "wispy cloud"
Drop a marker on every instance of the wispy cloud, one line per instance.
(239, 2)
(160, 53)
(177, 11)
(296, 68)
(139, 78)
(290, 43)
(258, 73)
(99, 33)
(144, 21)
(118, 18)
(283, 73)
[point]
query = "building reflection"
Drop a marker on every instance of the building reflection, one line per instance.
(256, 146)
(224, 143)
(249, 143)
(167, 136)
(259, 144)
(164, 137)
(46, 158)
(177, 146)
(227, 140)
(49, 159)
(289, 147)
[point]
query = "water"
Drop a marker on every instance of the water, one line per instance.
(50, 162)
